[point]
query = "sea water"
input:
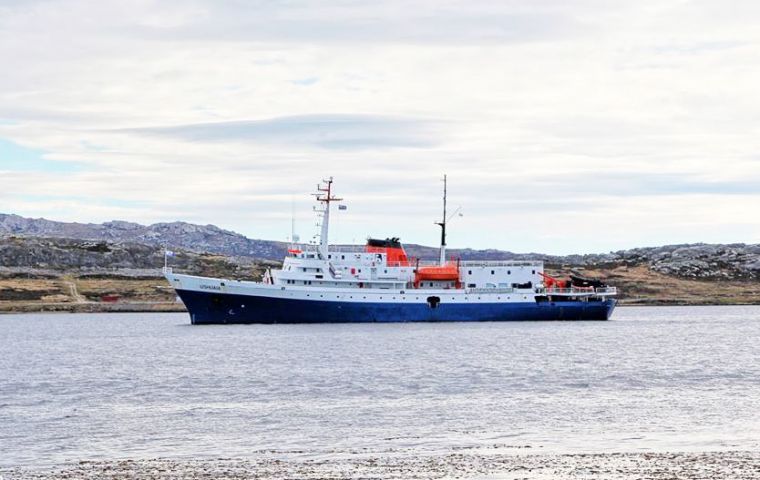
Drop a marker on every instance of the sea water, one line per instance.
(95, 386)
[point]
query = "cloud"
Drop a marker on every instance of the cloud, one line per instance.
(330, 131)
(607, 124)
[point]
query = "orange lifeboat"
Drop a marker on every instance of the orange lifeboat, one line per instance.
(445, 273)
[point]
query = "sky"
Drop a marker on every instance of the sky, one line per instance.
(563, 126)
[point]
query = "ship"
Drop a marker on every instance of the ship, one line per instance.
(379, 282)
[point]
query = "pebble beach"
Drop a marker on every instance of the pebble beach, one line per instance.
(735, 465)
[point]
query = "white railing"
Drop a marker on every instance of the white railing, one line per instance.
(501, 263)
(607, 290)
(490, 290)
(578, 291)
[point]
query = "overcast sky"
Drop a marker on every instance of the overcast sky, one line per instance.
(563, 126)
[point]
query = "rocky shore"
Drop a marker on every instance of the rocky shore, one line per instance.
(734, 465)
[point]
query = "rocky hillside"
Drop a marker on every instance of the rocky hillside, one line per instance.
(188, 236)
(42, 273)
(696, 261)
(32, 256)
(81, 275)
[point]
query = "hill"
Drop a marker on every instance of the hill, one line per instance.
(75, 266)
(188, 236)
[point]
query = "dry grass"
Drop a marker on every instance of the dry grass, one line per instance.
(70, 293)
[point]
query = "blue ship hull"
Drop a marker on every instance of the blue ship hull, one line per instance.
(221, 308)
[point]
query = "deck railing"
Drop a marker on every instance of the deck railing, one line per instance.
(578, 291)
(500, 263)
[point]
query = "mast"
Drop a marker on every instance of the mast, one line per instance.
(324, 195)
(293, 236)
(442, 224)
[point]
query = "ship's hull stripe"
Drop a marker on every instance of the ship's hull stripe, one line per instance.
(220, 308)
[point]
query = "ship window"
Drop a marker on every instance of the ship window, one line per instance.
(471, 285)
(431, 284)
(534, 272)
(509, 272)
(342, 257)
(492, 272)
(386, 270)
(329, 256)
(469, 272)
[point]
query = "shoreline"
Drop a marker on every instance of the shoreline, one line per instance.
(94, 307)
(174, 307)
(735, 465)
